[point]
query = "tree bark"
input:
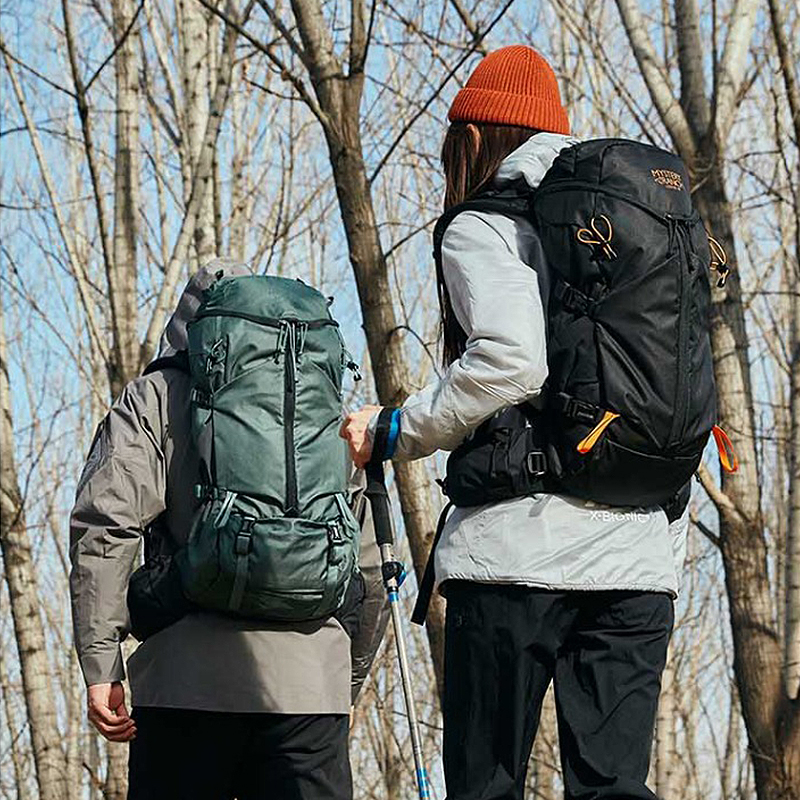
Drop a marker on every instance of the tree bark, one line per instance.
(666, 746)
(122, 276)
(14, 733)
(20, 576)
(197, 77)
(74, 733)
(792, 564)
(545, 751)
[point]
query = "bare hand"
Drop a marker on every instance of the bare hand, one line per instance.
(354, 430)
(108, 714)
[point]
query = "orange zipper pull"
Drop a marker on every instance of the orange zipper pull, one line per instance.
(587, 443)
(730, 463)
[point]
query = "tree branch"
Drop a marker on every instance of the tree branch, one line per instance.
(322, 62)
(88, 143)
(787, 65)
(704, 529)
(117, 46)
(6, 52)
(732, 64)
(76, 266)
(358, 37)
(470, 25)
(200, 184)
(294, 45)
(690, 60)
(447, 78)
(668, 107)
(268, 51)
(719, 498)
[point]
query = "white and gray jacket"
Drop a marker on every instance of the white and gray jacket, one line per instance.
(498, 284)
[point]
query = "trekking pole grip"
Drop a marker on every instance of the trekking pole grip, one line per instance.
(376, 481)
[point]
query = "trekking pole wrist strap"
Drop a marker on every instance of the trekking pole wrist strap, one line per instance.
(387, 430)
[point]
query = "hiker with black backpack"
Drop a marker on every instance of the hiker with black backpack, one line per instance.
(577, 399)
(224, 456)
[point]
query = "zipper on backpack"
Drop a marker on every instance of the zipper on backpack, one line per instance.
(683, 382)
(289, 406)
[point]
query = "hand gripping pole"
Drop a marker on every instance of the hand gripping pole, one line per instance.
(392, 575)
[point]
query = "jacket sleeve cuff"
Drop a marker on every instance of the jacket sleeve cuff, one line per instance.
(102, 667)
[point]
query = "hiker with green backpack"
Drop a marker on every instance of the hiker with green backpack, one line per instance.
(577, 400)
(257, 625)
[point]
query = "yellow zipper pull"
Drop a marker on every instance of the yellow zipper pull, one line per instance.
(587, 443)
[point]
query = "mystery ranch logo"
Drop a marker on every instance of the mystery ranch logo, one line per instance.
(668, 179)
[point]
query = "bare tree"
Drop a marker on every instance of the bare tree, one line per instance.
(698, 124)
(787, 61)
(20, 577)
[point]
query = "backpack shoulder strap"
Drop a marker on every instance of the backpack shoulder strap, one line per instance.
(515, 200)
(179, 360)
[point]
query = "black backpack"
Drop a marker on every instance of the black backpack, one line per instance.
(630, 399)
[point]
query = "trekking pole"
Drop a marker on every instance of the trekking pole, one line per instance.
(393, 574)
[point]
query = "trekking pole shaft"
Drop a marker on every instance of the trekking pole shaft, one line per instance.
(382, 521)
(405, 676)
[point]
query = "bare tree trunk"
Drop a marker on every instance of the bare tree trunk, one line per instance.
(116, 785)
(237, 230)
(74, 735)
(666, 749)
(699, 129)
(14, 732)
(20, 576)
(197, 77)
(122, 276)
(792, 568)
(545, 751)
(93, 766)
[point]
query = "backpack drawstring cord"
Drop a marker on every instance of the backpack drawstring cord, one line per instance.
(598, 238)
(719, 261)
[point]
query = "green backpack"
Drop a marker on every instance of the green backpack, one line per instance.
(275, 538)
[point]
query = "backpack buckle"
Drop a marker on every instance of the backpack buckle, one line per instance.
(243, 543)
(573, 299)
(581, 411)
(536, 461)
(200, 398)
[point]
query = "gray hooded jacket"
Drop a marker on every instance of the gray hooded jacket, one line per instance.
(498, 283)
(141, 469)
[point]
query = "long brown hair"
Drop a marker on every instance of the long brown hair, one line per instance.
(467, 172)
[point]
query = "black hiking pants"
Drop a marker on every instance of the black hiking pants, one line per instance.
(605, 652)
(179, 754)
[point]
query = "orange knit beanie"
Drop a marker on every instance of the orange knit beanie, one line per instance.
(512, 86)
